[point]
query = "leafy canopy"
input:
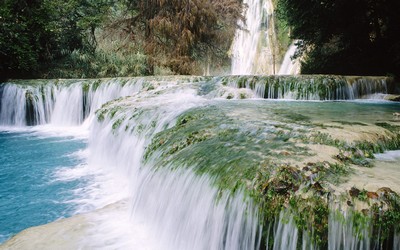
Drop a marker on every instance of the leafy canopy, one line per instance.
(345, 36)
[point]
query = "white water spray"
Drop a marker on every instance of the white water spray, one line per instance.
(290, 66)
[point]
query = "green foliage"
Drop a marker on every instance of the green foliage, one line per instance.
(345, 37)
(36, 34)
(386, 220)
(108, 38)
(83, 64)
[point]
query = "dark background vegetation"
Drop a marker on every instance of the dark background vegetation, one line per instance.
(107, 38)
(349, 37)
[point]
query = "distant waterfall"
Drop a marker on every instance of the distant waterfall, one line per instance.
(252, 49)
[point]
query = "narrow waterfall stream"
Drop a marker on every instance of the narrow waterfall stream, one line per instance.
(289, 66)
(253, 45)
(190, 162)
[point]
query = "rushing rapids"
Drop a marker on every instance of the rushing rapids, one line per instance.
(205, 170)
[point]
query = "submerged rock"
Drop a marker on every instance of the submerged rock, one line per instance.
(393, 98)
(77, 232)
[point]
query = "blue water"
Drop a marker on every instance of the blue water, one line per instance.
(30, 195)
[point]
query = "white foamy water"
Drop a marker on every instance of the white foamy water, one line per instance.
(289, 66)
(389, 156)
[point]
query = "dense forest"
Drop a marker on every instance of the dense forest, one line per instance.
(98, 38)
(106, 38)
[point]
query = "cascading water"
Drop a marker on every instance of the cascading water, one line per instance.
(249, 55)
(172, 205)
(289, 66)
(60, 105)
(175, 197)
(312, 87)
(195, 211)
(342, 233)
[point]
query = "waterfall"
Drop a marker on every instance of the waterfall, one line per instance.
(180, 206)
(13, 106)
(286, 234)
(58, 103)
(312, 87)
(182, 210)
(289, 66)
(253, 45)
(342, 234)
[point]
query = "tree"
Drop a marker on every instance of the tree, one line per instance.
(345, 36)
(186, 30)
(36, 33)
(50, 38)
(17, 50)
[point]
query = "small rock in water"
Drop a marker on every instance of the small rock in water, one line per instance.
(365, 211)
(372, 195)
(318, 187)
(354, 192)
(384, 191)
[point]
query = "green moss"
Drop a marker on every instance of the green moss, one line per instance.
(356, 153)
(386, 220)
(86, 87)
(114, 110)
(362, 196)
(101, 113)
(388, 126)
(351, 123)
(117, 123)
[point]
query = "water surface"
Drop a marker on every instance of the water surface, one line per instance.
(31, 194)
